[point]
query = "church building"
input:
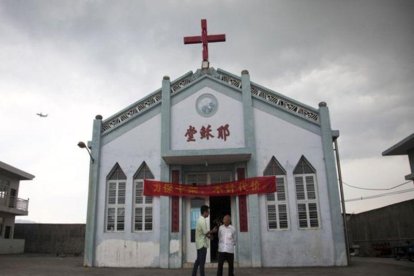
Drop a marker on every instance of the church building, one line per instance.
(210, 128)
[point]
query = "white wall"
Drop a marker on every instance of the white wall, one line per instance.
(274, 137)
(128, 248)
(184, 114)
(293, 247)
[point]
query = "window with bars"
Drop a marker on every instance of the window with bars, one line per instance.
(306, 194)
(276, 203)
(115, 203)
(143, 218)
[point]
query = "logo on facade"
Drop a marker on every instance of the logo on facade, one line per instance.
(206, 105)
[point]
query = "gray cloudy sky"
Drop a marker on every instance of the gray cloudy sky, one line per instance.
(76, 59)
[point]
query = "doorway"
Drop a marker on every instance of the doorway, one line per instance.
(12, 198)
(7, 232)
(219, 207)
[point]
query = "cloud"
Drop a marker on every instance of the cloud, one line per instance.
(350, 88)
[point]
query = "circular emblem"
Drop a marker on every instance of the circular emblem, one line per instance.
(206, 105)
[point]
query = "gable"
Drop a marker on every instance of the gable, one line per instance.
(267, 97)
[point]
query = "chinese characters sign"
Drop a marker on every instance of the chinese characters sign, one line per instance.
(255, 185)
(206, 132)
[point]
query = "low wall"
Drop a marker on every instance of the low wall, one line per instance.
(11, 246)
(59, 239)
(377, 232)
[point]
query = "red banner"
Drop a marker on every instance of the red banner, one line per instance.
(255, 185)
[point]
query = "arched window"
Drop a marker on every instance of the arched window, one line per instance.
(142, 204)
(115, 199)
(306, 194)
(276, 203)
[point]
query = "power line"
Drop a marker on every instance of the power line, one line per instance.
(376, 189)
(380, 195)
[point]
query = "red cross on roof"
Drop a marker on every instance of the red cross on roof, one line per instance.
(204, 39)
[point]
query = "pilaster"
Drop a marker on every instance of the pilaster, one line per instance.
(90, 231)
(340, 256)
(165, 173)
(253, 200)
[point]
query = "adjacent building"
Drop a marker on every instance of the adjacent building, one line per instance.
(404, 147)
(11, 206)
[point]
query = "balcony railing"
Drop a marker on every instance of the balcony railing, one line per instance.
(22, 204)
(19, 204)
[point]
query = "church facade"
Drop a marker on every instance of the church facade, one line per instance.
(210, 127)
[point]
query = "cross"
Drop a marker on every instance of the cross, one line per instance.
(204, 39)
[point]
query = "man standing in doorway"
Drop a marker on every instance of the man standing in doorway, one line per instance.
(227, 241)
(202, 235)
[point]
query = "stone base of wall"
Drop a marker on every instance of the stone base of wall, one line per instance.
(11, 246)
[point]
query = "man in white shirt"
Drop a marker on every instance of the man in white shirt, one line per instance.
(227, 241)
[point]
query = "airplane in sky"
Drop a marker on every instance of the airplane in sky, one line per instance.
(42, 115)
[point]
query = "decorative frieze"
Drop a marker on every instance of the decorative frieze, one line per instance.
(233, 81)
(274, 99)
(131, 112)
(181, 83)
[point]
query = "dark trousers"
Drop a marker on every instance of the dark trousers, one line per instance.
(224, 256)
(201, 261)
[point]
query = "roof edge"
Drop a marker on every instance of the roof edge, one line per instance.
(402, 147)
(9, 168)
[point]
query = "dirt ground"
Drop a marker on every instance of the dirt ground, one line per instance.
(31, 264)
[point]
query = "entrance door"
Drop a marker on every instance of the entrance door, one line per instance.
(193, 205)
(219, 206)
(193, 213)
